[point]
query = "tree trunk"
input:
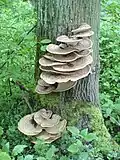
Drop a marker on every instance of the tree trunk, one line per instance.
(57, 17)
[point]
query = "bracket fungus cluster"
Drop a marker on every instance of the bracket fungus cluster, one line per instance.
(67, 62)
(42, 125)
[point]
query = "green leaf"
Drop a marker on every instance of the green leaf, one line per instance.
(74, 130)
(18, 149)
(28, 157)
(79, 143)
(45, 41)
(113, 120)
(41, 158)
(73, 148)
(20, 158)
(90, 137)
(108, 111)
(43, 48)
(84, 132)
(4, 156)
(83, 156)
(51, 152)
(63, 158)
(1, 131)
(6, 147)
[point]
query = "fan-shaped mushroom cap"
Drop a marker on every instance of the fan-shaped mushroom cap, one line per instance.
(84, 44)
(41, 115)
(52, 139)
(46, 62)
(44, 113)
(83, 34)
(53, 78)
(27, 126)
(51, 122)
(84, 27)
(67, 40)
(62, 58)
(44, 89)
(65, 86)
(84, 53)
(56, 49)
(75, 65)
(51, 70)
(46, 122)
(68, 57)
(57, 128)
(43, 83)
(45, 136)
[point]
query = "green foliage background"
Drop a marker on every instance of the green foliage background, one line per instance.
(17, 55)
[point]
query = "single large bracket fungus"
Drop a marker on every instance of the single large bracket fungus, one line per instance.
(67, 62)
(43, 125)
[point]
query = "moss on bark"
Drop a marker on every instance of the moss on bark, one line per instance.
(76, 113)
(48, 101)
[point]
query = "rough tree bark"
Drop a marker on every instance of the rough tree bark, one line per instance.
(57, 17)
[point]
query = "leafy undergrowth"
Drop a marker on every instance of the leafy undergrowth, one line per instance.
(17, 54)
(110, 68)
(74, 145)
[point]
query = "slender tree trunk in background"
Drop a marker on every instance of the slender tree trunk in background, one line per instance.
(57, 17)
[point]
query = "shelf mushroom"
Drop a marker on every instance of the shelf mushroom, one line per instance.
(44, 88)
(84, 27)
(43, 125)
(58, 50)
(83, 31)
(28, 126)
(53, 78)
(67, 62)
(75, 65)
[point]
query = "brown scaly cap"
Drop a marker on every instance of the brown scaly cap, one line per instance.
(68, 57)
(84, 27)
(57, 49)
(27, 126)
(84, 44)
(75, 65)
(84, 53)
(41, 115)
(53, 78)
(52, 139)
(59, 128)
(83, 34)
(51, 70)
(49, 138)
(44, 113)
(67, 40)
(49, 122)
(46, 136)
(62, 58)
(46, 62)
